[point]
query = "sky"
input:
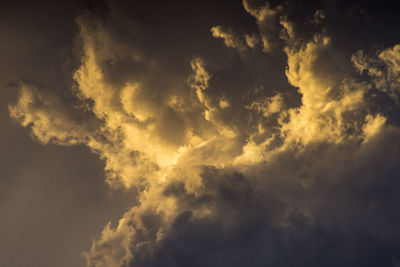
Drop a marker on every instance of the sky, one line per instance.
(199, 133)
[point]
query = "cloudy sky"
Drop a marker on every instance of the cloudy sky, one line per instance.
(199, 133)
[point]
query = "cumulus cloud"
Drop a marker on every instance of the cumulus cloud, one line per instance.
(229, 176)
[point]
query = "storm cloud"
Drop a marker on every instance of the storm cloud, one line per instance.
(270, 140)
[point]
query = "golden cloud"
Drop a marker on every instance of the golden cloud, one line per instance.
(169, 139)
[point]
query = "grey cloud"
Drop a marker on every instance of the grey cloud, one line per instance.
(345, 215)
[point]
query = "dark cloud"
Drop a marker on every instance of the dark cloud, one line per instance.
(345, 216)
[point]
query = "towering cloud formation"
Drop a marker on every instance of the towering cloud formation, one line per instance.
(233, 171)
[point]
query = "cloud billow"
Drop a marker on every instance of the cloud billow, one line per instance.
(233, 170)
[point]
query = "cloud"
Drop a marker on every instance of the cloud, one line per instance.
(231, 174)
(383, 68)
(327, 95)
(267, 19)
(233, 40)
(261, 220)
(230, 40)
(49, 118)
